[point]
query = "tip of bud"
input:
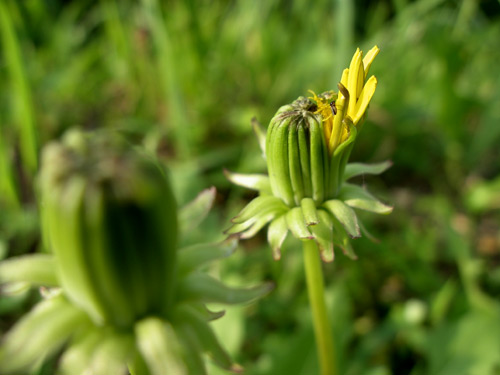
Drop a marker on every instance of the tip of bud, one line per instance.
(276, 254)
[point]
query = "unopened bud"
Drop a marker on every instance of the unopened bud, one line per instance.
(110, 218)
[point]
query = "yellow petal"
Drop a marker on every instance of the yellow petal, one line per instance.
(370, 56)
(327, 128)
(336, 132)
(364, 99)
(360, 79)
(352, 80)
(345, 76)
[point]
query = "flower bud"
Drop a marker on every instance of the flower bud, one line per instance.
(307, 147)
(110, 218)
(125, 297)
(299, 161)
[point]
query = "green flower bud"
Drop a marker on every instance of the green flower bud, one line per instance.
(110, 218)
(299, 162)
(307, 148)
(122, 296)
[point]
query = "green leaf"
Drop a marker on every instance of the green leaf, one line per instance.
(356, 169)
(276, 234)
(205, 335)
(203, 288)
(195, 211)
(34, 269)
(297, 225)
(192, 257)
(357, 197)
(39, 333)
(309, 211)
(345, 215)
(160, 347)
(24, 112)
(259, 182)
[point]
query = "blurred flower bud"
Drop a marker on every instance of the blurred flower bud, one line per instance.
(125, 297)
(110, 218)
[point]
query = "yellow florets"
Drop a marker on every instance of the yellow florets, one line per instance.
(325, 110)
(352, 101)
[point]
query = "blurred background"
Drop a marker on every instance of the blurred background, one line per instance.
(184, 79)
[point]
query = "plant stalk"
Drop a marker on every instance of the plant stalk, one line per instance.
(316, 292)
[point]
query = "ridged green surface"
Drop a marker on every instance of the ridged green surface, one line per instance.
(111, 223)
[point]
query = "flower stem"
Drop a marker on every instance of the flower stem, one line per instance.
(316, 291)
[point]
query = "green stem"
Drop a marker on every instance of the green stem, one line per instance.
(316, 291)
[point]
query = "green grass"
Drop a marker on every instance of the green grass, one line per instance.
(185, 78)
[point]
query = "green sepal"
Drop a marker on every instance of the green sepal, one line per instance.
(345, 215)
(41, 332)
(260, 133)
(208, 315)
(112, 353)
(34, 269)
(341, 238)
(323, 235)
(76, 359)
(357, 197)
(276, 234)
(297, 225)
(357, 169)
(191, 349)
(259, 207)
(294, 161)
(309, 211)
(136, 364)
(119, 300)
(339, 159)
(259, 182)
(305, 163)
(340, 150)
(192, 257)
(160, 347)
(319, 164)
(366, 233)
(277, 160)
(65, 208)
(281, 110)
(206, 336)
(260, 223)
(196, 211)
(203, 288)
(251, 226)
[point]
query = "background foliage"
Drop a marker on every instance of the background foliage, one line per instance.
(184, 78)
